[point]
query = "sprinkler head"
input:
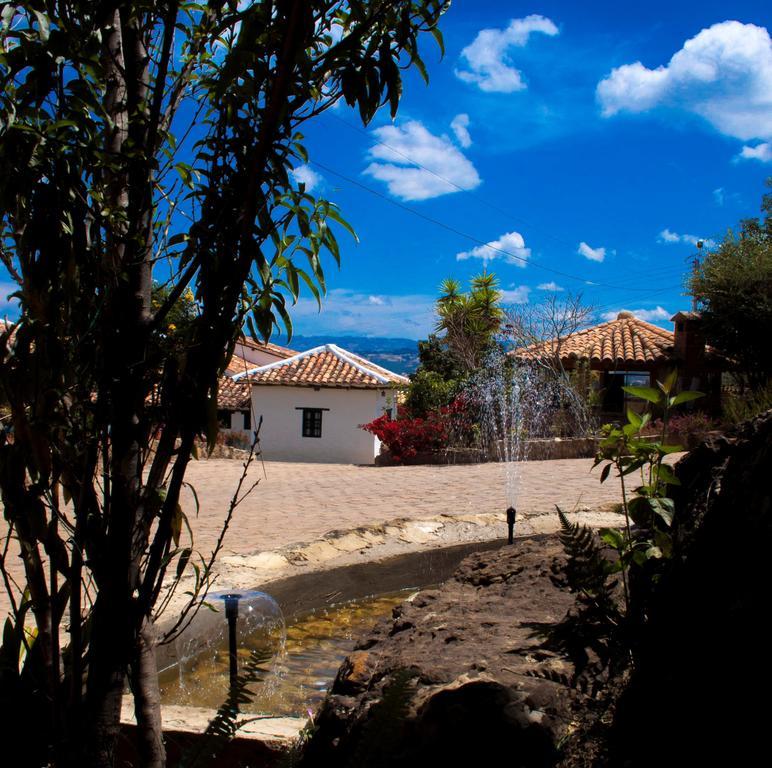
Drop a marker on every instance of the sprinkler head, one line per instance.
(231, 606)
(511, 515)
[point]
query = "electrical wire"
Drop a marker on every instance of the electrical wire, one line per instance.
(472, 238)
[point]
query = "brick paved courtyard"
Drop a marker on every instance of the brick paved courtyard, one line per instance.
(297, 502)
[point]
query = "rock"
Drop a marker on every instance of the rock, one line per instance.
(458, 675)
(354, 674)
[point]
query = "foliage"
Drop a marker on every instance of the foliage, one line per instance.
(469, 320)
(227, 722)
(429, 392)
(467, 323)
(590, 574)
(406, 436)
(139, 142)
(641, 548)
(383, 731)
(690, 427)
(743, 406)
(435, 356)
(733, 286)
(183, 311)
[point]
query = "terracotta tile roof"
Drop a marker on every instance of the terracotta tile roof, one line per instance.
(325, 366)
(626, 340)
(239, 364)
(233, 395)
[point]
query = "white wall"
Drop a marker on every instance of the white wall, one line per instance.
(281, 435)
(256, 356)
(238, 424)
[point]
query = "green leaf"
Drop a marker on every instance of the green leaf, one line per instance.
(605, 472)
(437, 34)
(663, 508)
(670, 381)
(183, 561)
(685, 397)
(645, 393)
(634, 418)
(613, 537)
(180, 237)
(44, 25)
(177, 525)
(335, 216)
(653, 552)
(665, 474)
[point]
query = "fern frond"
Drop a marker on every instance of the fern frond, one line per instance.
(383, 732)
(587, 568)
(227, 722)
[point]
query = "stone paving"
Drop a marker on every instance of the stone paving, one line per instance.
(297, 502)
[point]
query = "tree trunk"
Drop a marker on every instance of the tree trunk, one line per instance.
(106, 675)
(147, 699)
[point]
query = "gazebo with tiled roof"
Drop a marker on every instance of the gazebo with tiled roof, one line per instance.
(628, 350)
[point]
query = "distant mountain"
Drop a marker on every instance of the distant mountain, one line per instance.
(398, 355)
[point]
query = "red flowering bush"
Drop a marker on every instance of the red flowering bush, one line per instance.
(406, 436)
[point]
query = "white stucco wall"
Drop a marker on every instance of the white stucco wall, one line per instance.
(281, 435)
(256, 356)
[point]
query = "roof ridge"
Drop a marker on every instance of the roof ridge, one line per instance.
(344, 355)
(376, 374)
(287, 361)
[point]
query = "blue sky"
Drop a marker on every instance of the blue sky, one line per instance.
(583, 154)
(590, 144)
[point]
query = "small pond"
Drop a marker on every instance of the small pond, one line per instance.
(299, 676)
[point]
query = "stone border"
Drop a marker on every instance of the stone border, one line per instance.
(539, 449)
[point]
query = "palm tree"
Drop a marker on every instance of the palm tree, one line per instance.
(469, 320)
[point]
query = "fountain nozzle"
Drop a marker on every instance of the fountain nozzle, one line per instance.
(511, 515)
(232, 614)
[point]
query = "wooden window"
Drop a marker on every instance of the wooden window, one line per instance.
(224, 418)
(247, 419)
(312, 422)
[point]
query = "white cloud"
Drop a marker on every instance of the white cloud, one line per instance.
(649, 315)
(593, 254)
(347, 311)
(417, 165)
(551, 286)
(669, 237)
(518, 295)
(761, 152)
(510, 247)
(719, 195)
(305, 175)
(460, 126)
(6, 302)
(486, 61)
(723, 74)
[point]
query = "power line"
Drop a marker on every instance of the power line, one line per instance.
(472, 238)
(459, 188)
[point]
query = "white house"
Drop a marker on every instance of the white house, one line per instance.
(313, 403)
(233, 401)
